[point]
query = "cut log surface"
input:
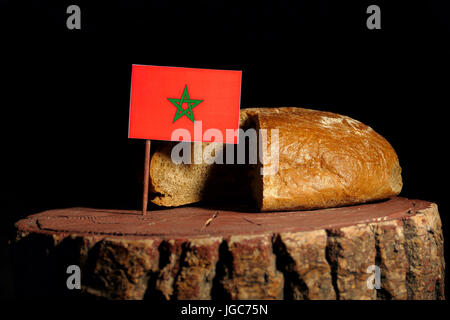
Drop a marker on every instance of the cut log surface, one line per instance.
(201, 253)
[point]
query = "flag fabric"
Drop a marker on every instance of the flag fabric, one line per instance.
(164, 99)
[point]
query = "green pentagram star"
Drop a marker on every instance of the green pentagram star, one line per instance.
(179, 102)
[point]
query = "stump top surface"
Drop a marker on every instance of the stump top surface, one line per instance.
(191, 221)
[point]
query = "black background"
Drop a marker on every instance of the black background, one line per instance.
(65, 94)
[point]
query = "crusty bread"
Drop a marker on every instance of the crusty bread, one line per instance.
(325, 160)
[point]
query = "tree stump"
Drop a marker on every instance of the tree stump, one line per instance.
(201, 253)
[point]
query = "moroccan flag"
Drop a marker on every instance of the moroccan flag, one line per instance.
(164, 99)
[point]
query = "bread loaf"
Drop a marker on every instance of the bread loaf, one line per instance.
(324, 160)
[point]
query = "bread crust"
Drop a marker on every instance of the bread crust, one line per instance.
(325, 160)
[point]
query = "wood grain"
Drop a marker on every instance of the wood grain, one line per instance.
(177, 254)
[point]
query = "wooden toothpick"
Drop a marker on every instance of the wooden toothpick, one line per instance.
(146, 177)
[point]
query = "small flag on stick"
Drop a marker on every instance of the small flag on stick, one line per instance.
(164, 99)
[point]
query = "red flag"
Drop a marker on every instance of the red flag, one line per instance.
(164, 99)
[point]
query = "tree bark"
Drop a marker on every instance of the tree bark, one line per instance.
(201, 253)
